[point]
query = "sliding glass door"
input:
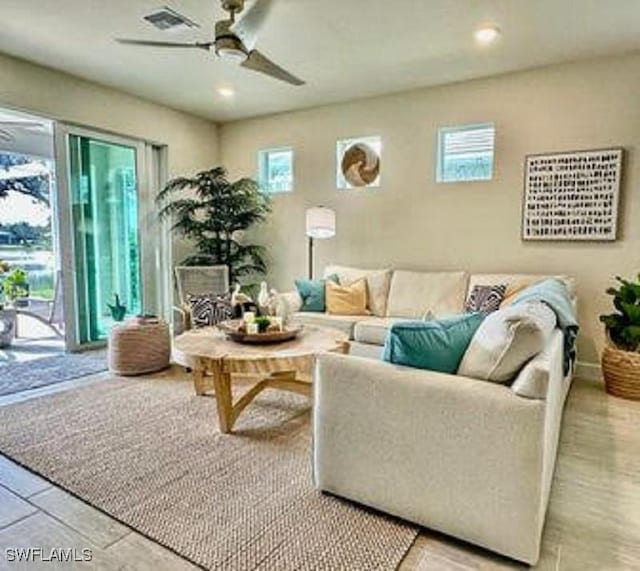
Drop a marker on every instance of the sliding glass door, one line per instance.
(100, 178)
(103, 187)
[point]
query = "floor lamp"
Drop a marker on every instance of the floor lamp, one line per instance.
(321, 224)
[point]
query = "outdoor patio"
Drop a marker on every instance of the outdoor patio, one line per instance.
(36, 341)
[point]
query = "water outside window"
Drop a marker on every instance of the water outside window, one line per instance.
(26, 228)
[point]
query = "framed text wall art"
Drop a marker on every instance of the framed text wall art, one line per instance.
(572, 195)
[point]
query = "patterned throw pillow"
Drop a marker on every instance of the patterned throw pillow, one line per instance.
(485, 298)
(210, 309)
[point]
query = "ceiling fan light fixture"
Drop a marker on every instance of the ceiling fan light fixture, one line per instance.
(232, 53)
(230, 47)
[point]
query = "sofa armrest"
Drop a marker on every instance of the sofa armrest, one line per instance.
(544, 373)
(454, 454)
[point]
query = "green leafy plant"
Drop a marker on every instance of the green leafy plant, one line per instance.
(263, 323)
(215, 219)
(117, 309)
(16, 284)
(624, 325)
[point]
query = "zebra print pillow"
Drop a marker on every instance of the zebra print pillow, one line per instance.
(209, 309)
(485, 298)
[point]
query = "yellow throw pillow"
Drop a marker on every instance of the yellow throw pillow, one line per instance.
(347, 300)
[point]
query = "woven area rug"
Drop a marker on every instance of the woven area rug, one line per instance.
(27, 375)
(149, 453)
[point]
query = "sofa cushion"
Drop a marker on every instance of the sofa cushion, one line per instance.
(347, 299)
(414, 294)
(312, 293)
(436, 345)
(344, 323)
(374, 330)
(506, 340)
(516, 283)
(377, 284)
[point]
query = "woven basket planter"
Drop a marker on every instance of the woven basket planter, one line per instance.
(621, 371)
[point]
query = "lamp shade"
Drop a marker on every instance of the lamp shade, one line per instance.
(321, 222)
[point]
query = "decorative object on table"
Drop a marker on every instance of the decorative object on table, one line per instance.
(358, 162)
(263, 297)
(210, 309)
(572, 196)
(7, 325)
(15, 285)
(485, 298)
(320, 225)
(117, 309)
(313, 293)
(216, 219)
(139, 348)
(268, 304)
(621, 355)
(347, 299)
(260, 330)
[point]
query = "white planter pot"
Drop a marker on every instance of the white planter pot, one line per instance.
(7, 326)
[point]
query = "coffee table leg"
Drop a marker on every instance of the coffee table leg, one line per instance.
(224, 403)
(198, 380)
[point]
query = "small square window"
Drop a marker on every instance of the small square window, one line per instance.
(275, 170)
(465, 153)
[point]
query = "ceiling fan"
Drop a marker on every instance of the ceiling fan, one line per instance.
(30, 125)
(235, 40)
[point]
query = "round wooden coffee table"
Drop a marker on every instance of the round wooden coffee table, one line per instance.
(288, 366)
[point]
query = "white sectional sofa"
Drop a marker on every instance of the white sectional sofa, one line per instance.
(471, 458)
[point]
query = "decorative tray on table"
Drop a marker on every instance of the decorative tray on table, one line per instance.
(241, 331)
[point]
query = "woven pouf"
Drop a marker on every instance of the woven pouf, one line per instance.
(136, 348)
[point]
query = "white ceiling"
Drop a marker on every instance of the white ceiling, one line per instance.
(344, 49)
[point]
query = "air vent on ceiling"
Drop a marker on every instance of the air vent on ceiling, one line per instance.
(167, 19)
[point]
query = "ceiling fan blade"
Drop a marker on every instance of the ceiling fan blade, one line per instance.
(25, 124)
(257, 62)
(199, 45)
(248, 26)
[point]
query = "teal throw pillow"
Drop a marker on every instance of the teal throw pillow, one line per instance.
(312, 293)
(436, 345)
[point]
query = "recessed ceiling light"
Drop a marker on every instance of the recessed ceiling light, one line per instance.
(486, 35)
(226, 92)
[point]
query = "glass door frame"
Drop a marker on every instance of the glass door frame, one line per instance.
(62, 132)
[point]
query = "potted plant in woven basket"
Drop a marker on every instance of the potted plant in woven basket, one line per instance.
(621, 355)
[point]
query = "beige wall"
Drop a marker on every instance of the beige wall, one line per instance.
(412, 222)
(192, 142)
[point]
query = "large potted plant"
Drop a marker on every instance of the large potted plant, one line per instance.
(621, 355)
(214, 213)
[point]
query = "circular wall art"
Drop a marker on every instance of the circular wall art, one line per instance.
(360, 164)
